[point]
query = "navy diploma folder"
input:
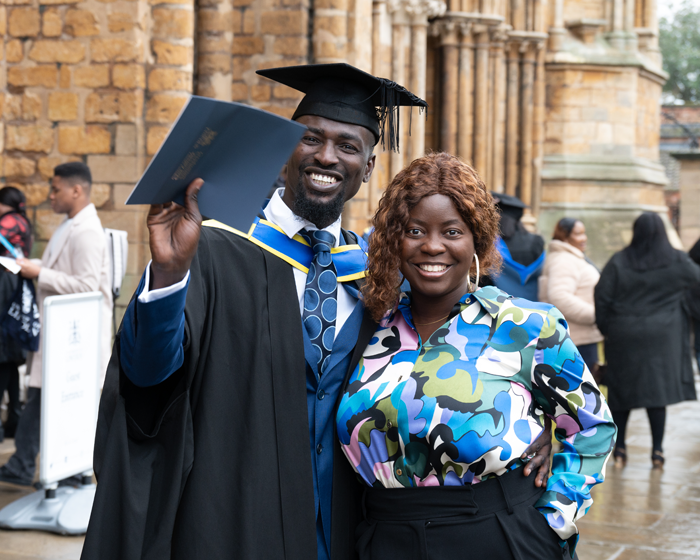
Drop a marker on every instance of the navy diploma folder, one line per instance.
(236, 149)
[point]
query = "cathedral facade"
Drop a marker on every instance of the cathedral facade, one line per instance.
(555, 101)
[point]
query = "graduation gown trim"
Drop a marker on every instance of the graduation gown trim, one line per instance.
(350, 260)
(524, 272)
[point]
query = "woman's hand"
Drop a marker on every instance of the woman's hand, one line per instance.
(540, 452)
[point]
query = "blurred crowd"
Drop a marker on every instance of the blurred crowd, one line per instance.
(632, 322)
(75, 260)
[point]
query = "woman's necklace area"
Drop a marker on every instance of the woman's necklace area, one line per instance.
(431, 322)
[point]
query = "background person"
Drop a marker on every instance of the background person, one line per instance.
(16, 229)
(522, 252)
(639, 308)
(454, 386)
(74, 261)
(692, 301)
(568, 281)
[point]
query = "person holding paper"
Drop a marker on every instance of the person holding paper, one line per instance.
(74, 261)
(216, 436)
(15, 231)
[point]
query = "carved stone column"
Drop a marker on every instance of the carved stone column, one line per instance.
(379, 42)
(617, 37)
(538, 130)
(360, 52)
(631, 36)
(539, 16)
(498, 38)
(517, 19)
(512, 118)
(400, 37)
(420, 11)
(481, 99)
(465, 111)
(649, 35)
(651, 15)
(381, 66)
(526, 121)
(557, 31)
(450, 86)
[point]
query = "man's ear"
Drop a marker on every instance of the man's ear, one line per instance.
(369, 168)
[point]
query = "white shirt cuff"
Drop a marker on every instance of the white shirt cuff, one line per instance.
(152, 295)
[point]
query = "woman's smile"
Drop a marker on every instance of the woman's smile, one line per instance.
(432, 270)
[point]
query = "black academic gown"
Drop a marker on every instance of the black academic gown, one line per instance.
(214, 462)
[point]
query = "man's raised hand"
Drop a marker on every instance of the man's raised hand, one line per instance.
(173, 237)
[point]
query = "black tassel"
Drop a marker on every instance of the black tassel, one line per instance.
(388, 112)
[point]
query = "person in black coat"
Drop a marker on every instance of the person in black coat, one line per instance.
(692, 301)
(522, 252)
(17, 231)
(640, 310)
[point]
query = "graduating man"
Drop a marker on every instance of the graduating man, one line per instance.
(216, 436)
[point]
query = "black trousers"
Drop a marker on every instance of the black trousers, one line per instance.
(9, 381)
(492, 520)
(27, 438)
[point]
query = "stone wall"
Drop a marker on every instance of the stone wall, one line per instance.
(601, 151)
(581, 9)
(93, 81)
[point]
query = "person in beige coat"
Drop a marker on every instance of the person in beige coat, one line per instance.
(74, 261)
(568, 281)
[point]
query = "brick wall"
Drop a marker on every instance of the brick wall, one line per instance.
(266, 34)
(93, 81)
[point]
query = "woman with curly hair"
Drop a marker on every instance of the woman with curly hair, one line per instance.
(456, 384)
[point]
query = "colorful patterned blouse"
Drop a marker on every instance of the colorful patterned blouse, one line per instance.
(463, 406)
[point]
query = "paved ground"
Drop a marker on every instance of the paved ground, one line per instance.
(31, 545)
(643, 514)
(639, 514)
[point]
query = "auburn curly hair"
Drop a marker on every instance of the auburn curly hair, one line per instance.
(436, 173)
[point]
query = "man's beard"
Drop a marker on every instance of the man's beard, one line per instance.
(321, 214)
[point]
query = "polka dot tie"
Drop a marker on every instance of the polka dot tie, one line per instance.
(321, 296)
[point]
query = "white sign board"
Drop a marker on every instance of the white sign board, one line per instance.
(70, 343)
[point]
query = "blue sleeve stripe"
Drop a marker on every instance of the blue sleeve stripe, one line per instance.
(152, 346)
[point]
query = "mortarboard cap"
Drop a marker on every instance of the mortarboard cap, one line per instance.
(343, 93)
(504, 200)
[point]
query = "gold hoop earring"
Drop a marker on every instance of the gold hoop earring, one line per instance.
(476, 258)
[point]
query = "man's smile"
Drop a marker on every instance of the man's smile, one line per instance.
(322, 181)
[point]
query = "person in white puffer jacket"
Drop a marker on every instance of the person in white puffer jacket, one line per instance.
(568, 281)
